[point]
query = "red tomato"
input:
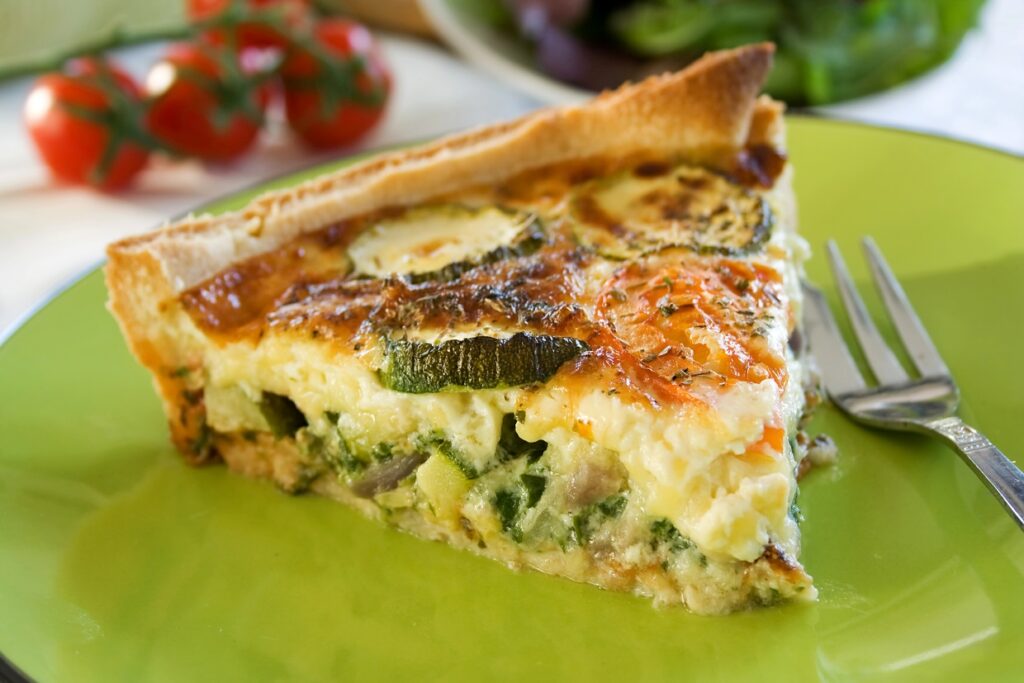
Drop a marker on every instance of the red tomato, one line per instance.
(337, 93)
(86, 124)
(203, 103)
(257, 23)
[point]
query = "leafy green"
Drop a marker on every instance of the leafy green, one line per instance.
(511, 446)
(512, 502)
(382, 452)
(335, 453)
(282, 415)
(586, 521)
(493, 12)
(534, 484)
(612, 507)
(665, 534)
(507, 503)
(828, 50)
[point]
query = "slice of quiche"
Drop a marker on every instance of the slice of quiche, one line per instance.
(563, 342)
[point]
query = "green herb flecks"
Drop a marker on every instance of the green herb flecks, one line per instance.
(665, 535)
(587, 521)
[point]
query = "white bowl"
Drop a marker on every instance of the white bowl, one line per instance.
(502, 54)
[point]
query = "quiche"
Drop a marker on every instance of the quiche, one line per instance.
(567, 342)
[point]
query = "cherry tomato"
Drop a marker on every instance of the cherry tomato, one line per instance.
(204, 104)
(86, 124)
(336, 88)
(256, 23)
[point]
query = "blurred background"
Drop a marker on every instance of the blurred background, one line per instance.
(117, 115)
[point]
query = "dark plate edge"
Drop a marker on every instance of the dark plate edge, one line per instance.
(9, 673)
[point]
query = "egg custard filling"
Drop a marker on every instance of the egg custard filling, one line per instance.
(588, 367)
(497, 373)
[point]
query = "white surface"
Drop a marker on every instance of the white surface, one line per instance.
(49, 233)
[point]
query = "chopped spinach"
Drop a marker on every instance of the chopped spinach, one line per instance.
(512, 446)
(586, 521)
(507, 502)
(581, 531)
(534, 484)
(334, 452)
(612, 507)
(282, 415)
(510, 503)
(382, 452)
(664, 534)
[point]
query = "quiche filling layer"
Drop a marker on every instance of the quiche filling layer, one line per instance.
(586, 370)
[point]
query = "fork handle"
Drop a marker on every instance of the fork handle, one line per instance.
(1001, 476)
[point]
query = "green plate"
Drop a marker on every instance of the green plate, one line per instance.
(120, 563)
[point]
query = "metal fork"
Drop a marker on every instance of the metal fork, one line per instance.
(926, 403)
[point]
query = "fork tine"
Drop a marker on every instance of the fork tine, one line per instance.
(883, 362)
(834, 360)
(916, 340)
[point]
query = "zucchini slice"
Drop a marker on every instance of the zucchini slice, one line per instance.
(632, 213)
(442, 241)
(419, 367)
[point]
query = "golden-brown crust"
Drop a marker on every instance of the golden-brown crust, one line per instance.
(701, 113)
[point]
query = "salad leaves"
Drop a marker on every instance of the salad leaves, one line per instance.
(828, 50)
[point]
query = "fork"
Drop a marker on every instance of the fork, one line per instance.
(925, 403)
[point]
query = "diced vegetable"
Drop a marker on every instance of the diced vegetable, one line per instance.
(281, 414)
(586, 522)
(384, 476)
(437, 443)
(443, 485)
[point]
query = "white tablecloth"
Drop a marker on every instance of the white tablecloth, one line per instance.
(48, 234)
